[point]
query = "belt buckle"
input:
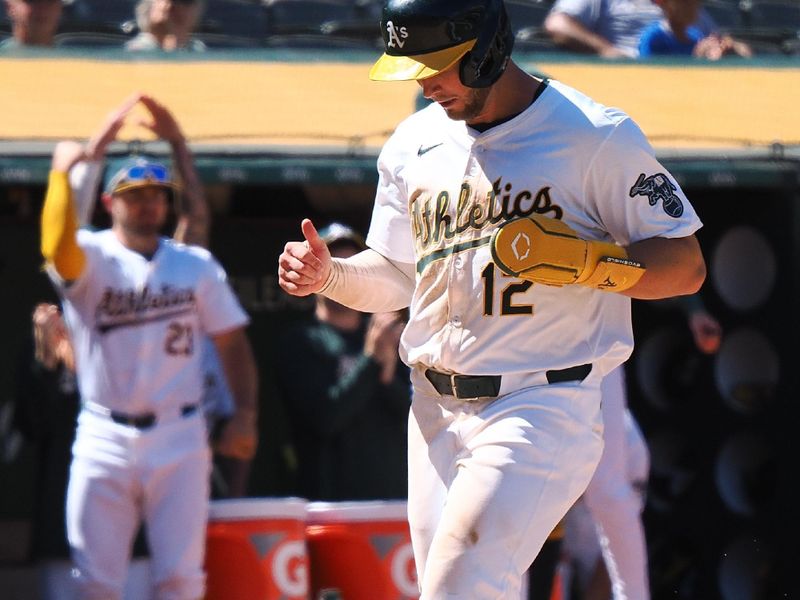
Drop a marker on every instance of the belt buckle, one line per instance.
(453, 385)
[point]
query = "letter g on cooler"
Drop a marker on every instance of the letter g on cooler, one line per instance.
(290, 568)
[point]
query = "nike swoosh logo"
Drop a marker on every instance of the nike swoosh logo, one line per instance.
(425, 150)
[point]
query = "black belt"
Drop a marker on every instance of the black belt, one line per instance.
(146, 420)
(479, 386)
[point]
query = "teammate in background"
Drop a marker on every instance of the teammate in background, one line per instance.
(45, 412)
(137, 305)
(34, 23)
(230, 475)
(506, 370)
(608, 28)
(677, 34)
(167, 25)
(615, 497)
(582, 566)
(348, 399)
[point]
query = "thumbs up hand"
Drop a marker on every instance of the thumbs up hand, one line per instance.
(303, 267)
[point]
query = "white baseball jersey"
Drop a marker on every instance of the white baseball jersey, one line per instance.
(138, 325)
(444, 188)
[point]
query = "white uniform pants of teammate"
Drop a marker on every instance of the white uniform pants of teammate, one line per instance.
(57, 583)
(120, 475)
(608, 517)
(489, 480)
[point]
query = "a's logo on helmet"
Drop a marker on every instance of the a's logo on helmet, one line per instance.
(397, 35)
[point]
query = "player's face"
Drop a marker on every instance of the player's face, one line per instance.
(461, 103)
(681, 13)
(141, 211)
(40, 16)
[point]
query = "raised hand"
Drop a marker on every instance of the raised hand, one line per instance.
(66, 154)
(303, 267)
(97, 144)
(163, 124)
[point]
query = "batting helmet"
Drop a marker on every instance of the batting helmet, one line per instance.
(423, 37)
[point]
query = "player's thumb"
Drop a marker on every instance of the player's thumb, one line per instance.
(315, 242)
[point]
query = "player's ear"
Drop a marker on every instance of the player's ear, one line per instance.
(106, 200)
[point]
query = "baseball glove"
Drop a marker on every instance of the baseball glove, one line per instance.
(548, 251)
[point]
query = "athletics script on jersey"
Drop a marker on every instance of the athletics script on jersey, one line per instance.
(131, 308)
(433, 221)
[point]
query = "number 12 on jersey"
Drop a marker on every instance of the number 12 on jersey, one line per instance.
(507, 306)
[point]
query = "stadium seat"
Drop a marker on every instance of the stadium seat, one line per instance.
(527, 14)
(773, 15)
(89, 39)
(307, 16)
(97, 16)
(770, 27)
(725, 13)
(317, 41)
(242, 19)
(223, 41)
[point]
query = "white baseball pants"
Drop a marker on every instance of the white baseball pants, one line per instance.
(121, 475)
(614, 497)
(489, 480)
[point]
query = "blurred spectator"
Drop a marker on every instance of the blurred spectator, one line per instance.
(33, 23)
(46, 406)
(608, 28)
(167, 25)
(347, 394)
(677, 34)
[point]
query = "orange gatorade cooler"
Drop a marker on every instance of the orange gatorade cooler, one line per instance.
(256, 550)
(360, 551)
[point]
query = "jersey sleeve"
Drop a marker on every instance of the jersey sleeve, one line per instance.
(87, 241)
(390, 230)
(218, 306)
(633, 194)
(59, 224)
(84, 179)
(648, 42)
(587, 12)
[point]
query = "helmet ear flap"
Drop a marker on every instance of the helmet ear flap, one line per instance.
(488, 58)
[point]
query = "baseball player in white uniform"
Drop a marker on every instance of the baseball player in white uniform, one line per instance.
(603, 529)
(515, 217)
(137, 306)
(615, 498)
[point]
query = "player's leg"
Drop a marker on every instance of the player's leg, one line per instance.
(430, 461)
(614, 503)
(581, 548)
(102, 511)
(518, 466)
(176, 484)
(638, 458)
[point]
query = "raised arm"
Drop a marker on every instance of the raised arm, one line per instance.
(570, 33)
(368, 281)
(85, 176)
(193, 215)
(59, 223)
